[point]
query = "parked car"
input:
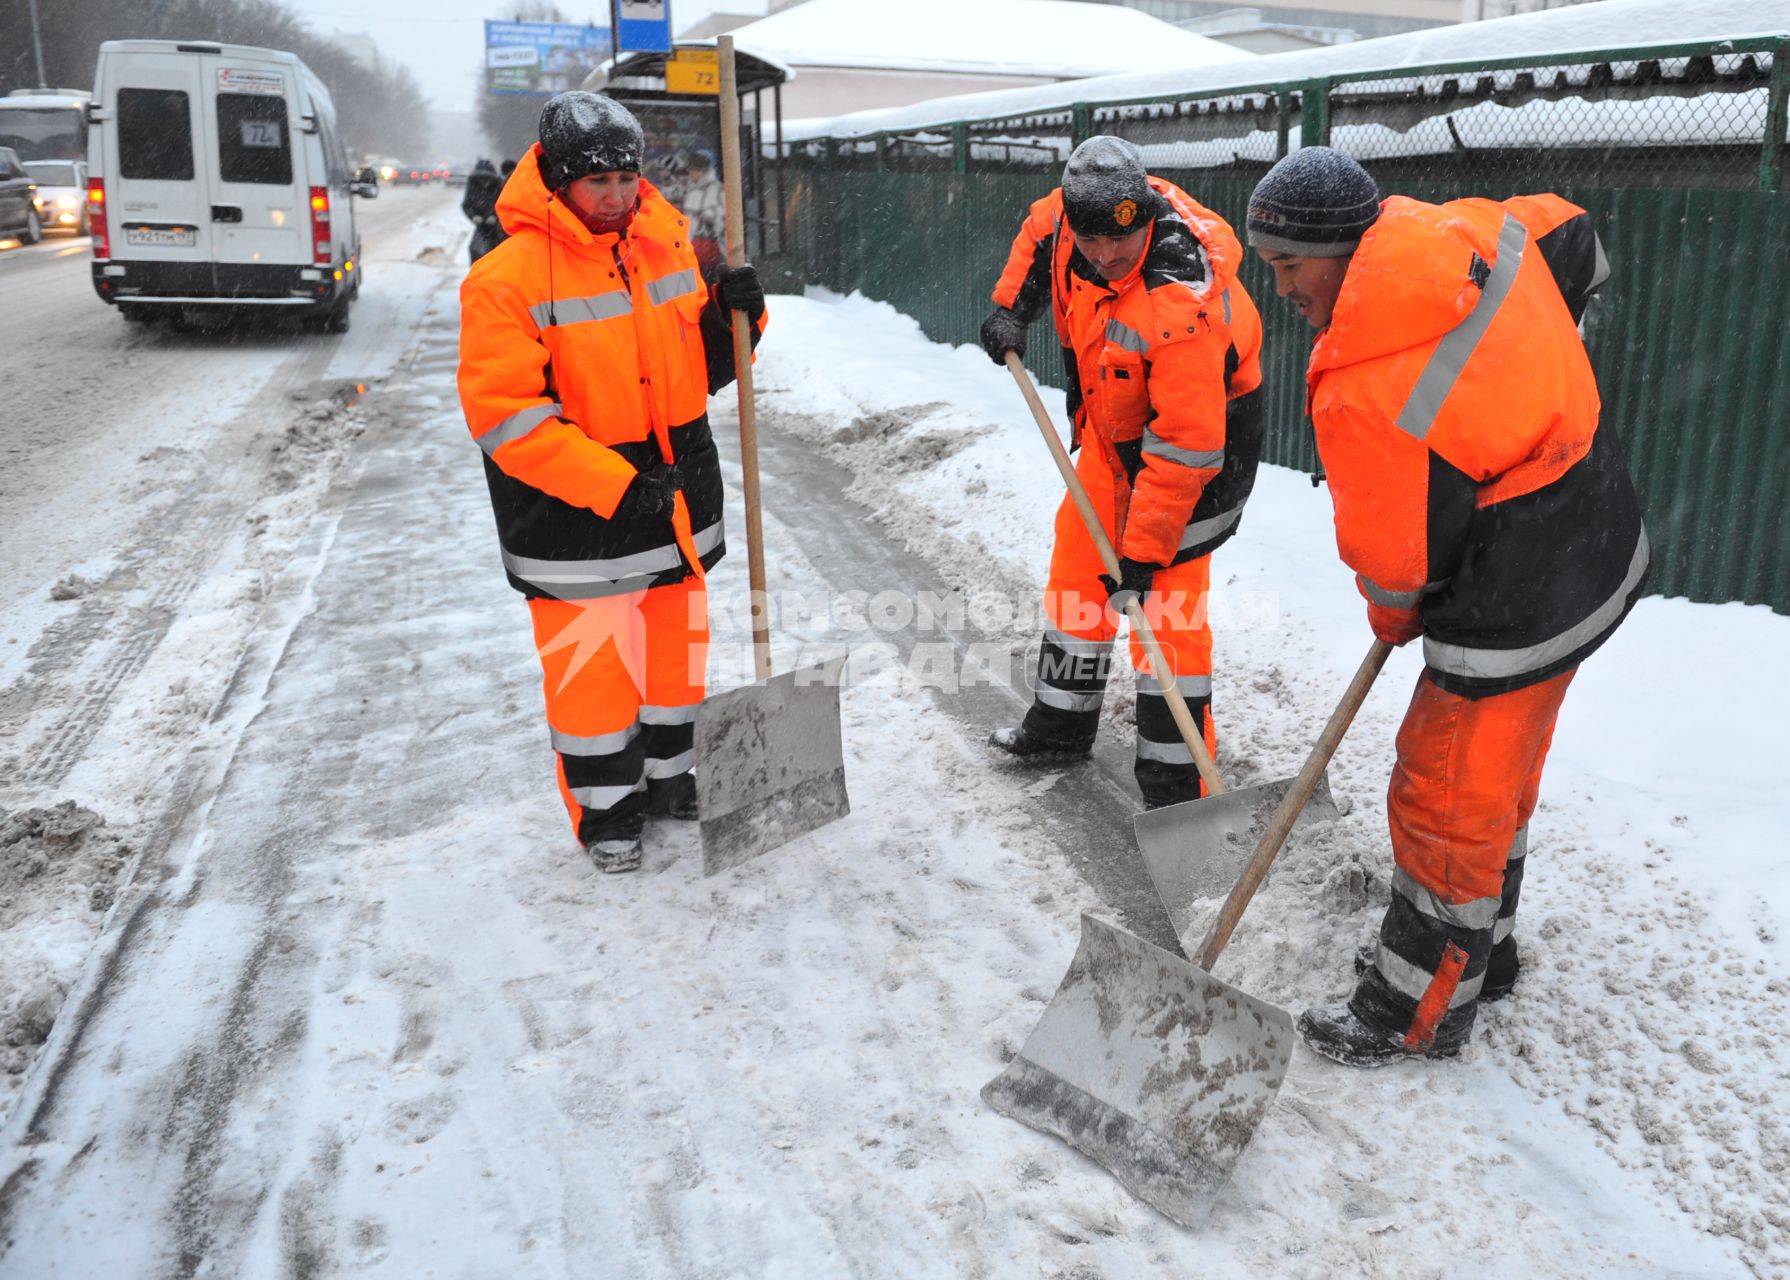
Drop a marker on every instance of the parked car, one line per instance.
(219, 181)
(61, 194)
(18, 200)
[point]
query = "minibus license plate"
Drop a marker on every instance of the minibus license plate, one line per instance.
(169, 237)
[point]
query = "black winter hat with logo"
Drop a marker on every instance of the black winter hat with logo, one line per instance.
(1316, 203)
(584, 133)
(1106, 191)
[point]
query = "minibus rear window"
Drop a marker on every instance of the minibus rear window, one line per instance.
(252, 139)
(155, 135)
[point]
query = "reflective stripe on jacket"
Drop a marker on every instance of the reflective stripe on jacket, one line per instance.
(584, 359)
(1164, 365)
(1457, 416)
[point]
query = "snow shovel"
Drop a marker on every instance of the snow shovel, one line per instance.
(772, 763)
(1160, 832)
(1149, 1065)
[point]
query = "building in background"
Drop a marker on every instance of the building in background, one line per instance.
(1366, 18)
(1480, 10)
(1255, 31)
(846, 55)
(732, 15)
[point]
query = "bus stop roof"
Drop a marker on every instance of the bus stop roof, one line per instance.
(642, 75)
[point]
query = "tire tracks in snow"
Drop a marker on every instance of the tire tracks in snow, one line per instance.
(178, 545)
(262, 1022)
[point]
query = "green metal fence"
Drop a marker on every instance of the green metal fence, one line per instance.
(1679, 153)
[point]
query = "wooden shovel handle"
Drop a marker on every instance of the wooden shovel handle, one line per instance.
(1159, 667)
(742, 363)
(1288, 812)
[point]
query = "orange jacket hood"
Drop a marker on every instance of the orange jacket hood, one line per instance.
(1428, 250)
(526, 204)
(1224, 252)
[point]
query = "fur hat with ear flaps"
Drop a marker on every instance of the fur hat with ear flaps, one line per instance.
(586, 133)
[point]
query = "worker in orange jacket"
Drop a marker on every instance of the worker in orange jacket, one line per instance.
(589, 345)
(1162, 349)
(1484, 507)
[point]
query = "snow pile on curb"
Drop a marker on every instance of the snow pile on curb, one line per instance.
(60, 868)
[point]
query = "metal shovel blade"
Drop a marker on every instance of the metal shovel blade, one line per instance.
(772, 765)
(1150, 1067)
(1197, 849)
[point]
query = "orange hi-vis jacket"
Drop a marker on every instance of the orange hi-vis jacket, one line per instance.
(584, 359)
(1164, 368)
(1457, 416)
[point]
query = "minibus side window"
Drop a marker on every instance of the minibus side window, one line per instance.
(155, 135)
(253, 140)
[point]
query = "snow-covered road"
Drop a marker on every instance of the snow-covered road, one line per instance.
(157, 483)
(370, 1013)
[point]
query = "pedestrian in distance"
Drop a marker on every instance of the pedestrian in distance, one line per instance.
(479, 204)
(705, 204)
(1485, 507)
(1161, 347)
(589, 345)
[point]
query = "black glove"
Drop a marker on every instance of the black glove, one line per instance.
(1134, 581)
(739, 289)
(650, 495)
(1002, 332)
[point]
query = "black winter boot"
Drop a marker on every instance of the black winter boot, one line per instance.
(611, 856)
(1337, 1032)
(1027, 744)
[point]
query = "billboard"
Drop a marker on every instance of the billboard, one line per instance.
(541, 58)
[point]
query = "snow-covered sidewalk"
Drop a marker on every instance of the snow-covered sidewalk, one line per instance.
(376, 1017)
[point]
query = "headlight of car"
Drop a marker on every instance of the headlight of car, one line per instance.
(67, 202)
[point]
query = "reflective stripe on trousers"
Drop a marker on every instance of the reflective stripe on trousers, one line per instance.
(1462, 792)
(1072, 672)
(1158, 736)
(1513, 886)
(622, 677)
(1082, 630)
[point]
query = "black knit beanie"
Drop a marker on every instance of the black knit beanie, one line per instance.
(585, 133)
(1106, 191)
(1316, 203)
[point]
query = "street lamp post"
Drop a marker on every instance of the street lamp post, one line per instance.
(37, 45)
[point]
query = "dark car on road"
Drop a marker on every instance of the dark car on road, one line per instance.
(18, 200)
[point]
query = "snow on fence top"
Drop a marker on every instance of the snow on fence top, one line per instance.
(1727, 118)
(1557, 33)
(991, 37)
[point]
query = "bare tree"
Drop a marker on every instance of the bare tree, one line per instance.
(380, 108)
